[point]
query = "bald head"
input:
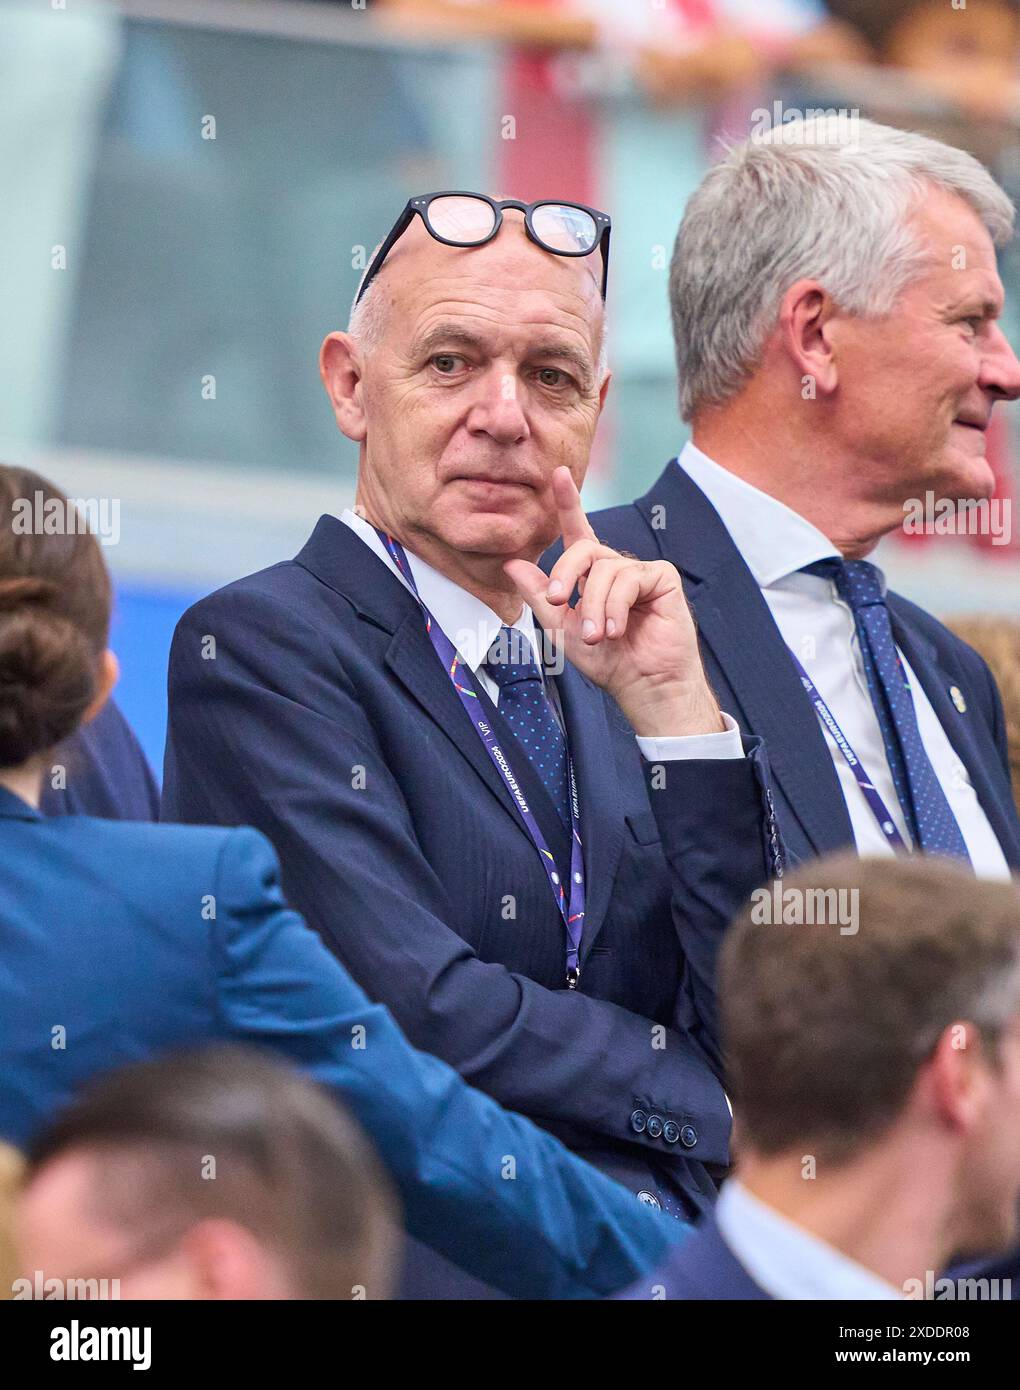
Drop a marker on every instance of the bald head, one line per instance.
(467, 376)
(512, 254)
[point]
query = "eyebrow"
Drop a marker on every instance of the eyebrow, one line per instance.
(988, 308)
(450, 334)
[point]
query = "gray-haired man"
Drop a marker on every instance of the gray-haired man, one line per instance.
(835, 300)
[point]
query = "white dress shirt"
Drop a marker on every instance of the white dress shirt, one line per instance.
(784, 1259)
(819, 627)
(472, 627)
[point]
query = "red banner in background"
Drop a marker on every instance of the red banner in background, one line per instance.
(999, 444)
(552, 153)
(550, 150)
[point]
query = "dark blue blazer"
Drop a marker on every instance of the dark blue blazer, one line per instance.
(322, 716)
(106, 773)
(120, 941)
(703, 1267)
(750, 670)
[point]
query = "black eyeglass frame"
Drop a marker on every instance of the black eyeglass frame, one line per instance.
(420, 206)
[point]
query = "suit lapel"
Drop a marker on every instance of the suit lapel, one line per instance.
(341, 559)
(412, 659)
(745, 646)
(590, 742)
(960, 729)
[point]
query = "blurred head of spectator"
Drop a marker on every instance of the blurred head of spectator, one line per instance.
(56, 671)
(835, 302)
(969, 53)
(10, 1177)
(218, 1174)
(998, 641)
(888, 1056)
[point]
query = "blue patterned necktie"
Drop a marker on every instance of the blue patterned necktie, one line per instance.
(928, 814)
(525, 706)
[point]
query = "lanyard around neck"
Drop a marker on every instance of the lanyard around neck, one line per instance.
(571, 909)
(871, 794)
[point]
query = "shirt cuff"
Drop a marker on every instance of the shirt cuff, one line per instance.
(726, 744)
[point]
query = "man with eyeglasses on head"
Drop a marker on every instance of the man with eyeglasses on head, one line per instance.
(498, 810)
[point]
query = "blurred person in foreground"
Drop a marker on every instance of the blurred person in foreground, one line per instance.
(11, 1169)
(122, 940)
(212, 1174)
(876, 1084)
(997, 641)
(835, 305)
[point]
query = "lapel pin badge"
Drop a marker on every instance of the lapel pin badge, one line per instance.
(956, 694)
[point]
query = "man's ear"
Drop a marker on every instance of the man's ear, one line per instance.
(226, 1262)
(604, 391)
(340, 366)
(959, 1077)
(804, 315)
(109, 675)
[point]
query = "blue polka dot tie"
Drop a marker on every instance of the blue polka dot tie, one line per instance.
(928, 814)
(525, 706)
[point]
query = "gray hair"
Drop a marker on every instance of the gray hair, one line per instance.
(804, 201)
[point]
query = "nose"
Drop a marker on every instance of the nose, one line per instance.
(1000, 369)
(496, 409)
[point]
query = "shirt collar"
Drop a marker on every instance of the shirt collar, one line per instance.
(774, 540)
(470, 624)
(787, 1261)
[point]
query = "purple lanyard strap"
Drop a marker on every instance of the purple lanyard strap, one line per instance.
(572, 910)
(871, 795)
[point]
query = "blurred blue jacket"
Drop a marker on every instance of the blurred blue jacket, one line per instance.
(121, 940)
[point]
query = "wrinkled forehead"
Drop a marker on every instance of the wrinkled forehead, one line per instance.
(421, 273)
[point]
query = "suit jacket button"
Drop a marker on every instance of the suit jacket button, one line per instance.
(671, 1131)
(649, 1199)
(688, 1136)
(638, 1120)
(654, 1126)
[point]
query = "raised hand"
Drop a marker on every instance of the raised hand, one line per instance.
(631, 633)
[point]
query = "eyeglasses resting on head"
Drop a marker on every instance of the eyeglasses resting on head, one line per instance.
(471, 219)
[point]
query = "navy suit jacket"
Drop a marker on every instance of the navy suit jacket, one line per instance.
(119, 941)
(704, 1267)
(106, 773)
(750, 669)
(322, 716)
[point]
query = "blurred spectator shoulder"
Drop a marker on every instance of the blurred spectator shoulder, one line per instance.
(10, 1182)
(997, 640)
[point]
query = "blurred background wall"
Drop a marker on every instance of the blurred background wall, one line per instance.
(188, 193)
